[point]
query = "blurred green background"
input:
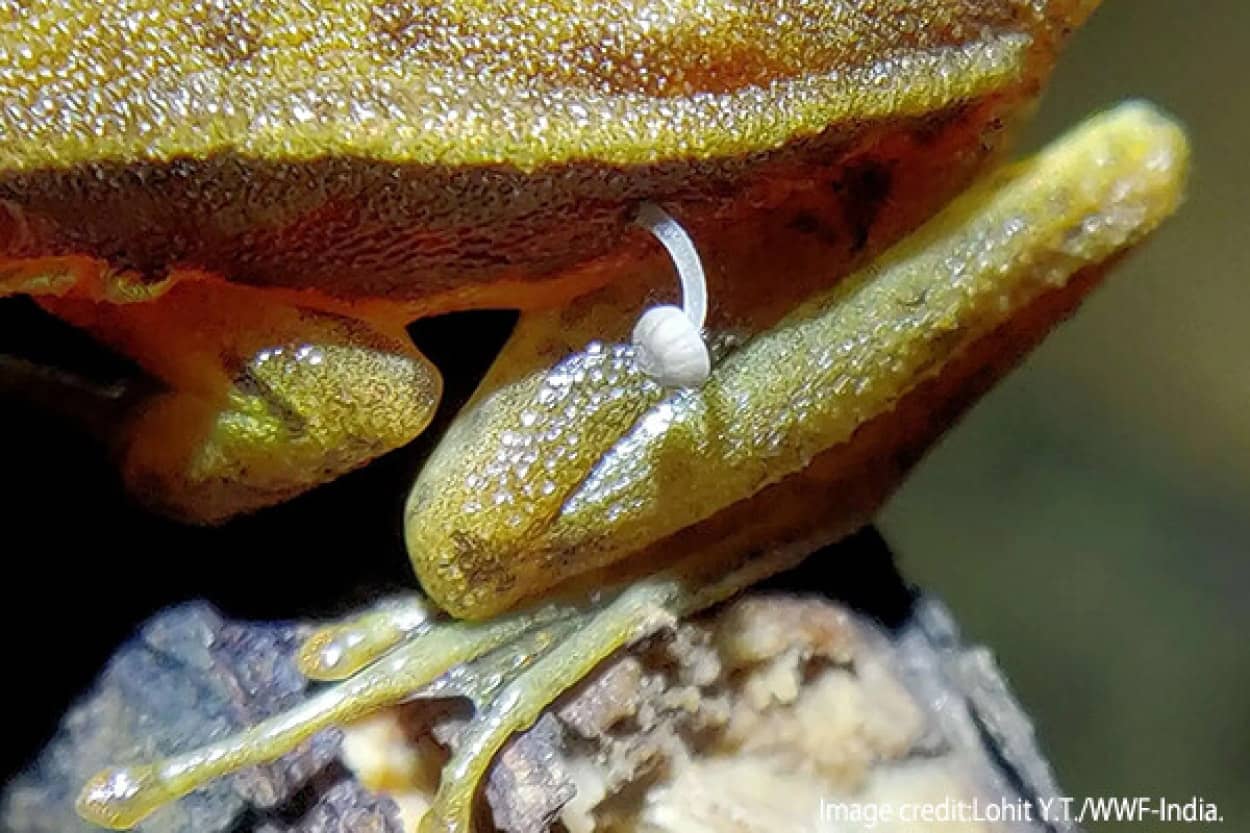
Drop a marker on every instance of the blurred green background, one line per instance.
(1088, 520)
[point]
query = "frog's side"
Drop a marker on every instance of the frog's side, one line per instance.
(344, 172)
(252, 201)
(383, 148)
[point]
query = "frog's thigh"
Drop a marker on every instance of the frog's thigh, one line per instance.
(265, 399)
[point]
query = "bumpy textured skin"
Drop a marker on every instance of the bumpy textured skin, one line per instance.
(380, 160)
(816, 397)
(396, 147)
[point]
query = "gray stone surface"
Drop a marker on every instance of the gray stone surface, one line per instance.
(188, 678)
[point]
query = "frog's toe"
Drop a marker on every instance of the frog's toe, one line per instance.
(512, 687)
(338, 650)
(121, 797)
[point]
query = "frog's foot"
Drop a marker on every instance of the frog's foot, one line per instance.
(511, 667)
(265, 397)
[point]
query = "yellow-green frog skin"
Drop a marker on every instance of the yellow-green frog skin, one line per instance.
(254, 199)
(209, 185)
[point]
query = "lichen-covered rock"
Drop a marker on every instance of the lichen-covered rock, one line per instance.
(752, 718)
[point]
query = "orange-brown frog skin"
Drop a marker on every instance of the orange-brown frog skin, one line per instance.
(252, 200)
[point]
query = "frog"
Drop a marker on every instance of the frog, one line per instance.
(253, 201)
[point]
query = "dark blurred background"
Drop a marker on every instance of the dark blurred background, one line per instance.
(1089, 520)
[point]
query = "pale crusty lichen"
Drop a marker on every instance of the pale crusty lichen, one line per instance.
(744, 721)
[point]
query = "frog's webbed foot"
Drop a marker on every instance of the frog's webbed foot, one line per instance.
(511, 668)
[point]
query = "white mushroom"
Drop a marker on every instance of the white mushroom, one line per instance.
(670, 349)
(669, 339)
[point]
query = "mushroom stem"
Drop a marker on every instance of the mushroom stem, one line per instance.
(670, 340)
(685, 259)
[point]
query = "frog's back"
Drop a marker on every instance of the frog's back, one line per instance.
(395, 141)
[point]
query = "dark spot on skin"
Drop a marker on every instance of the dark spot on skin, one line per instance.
(863, 188)
(401, 26)
(226, 32)
(805, 223)
(478, 566)
(990, 135)
(812, 225)
(249, 384)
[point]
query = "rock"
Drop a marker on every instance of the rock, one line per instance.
(777, 711)
(188, 678)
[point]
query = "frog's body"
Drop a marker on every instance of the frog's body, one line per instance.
(380, 161)
(252, 200)
(394, 150)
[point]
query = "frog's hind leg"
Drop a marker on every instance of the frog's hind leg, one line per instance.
(266, 396)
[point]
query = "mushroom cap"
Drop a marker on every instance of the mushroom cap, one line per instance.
(670, 348)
